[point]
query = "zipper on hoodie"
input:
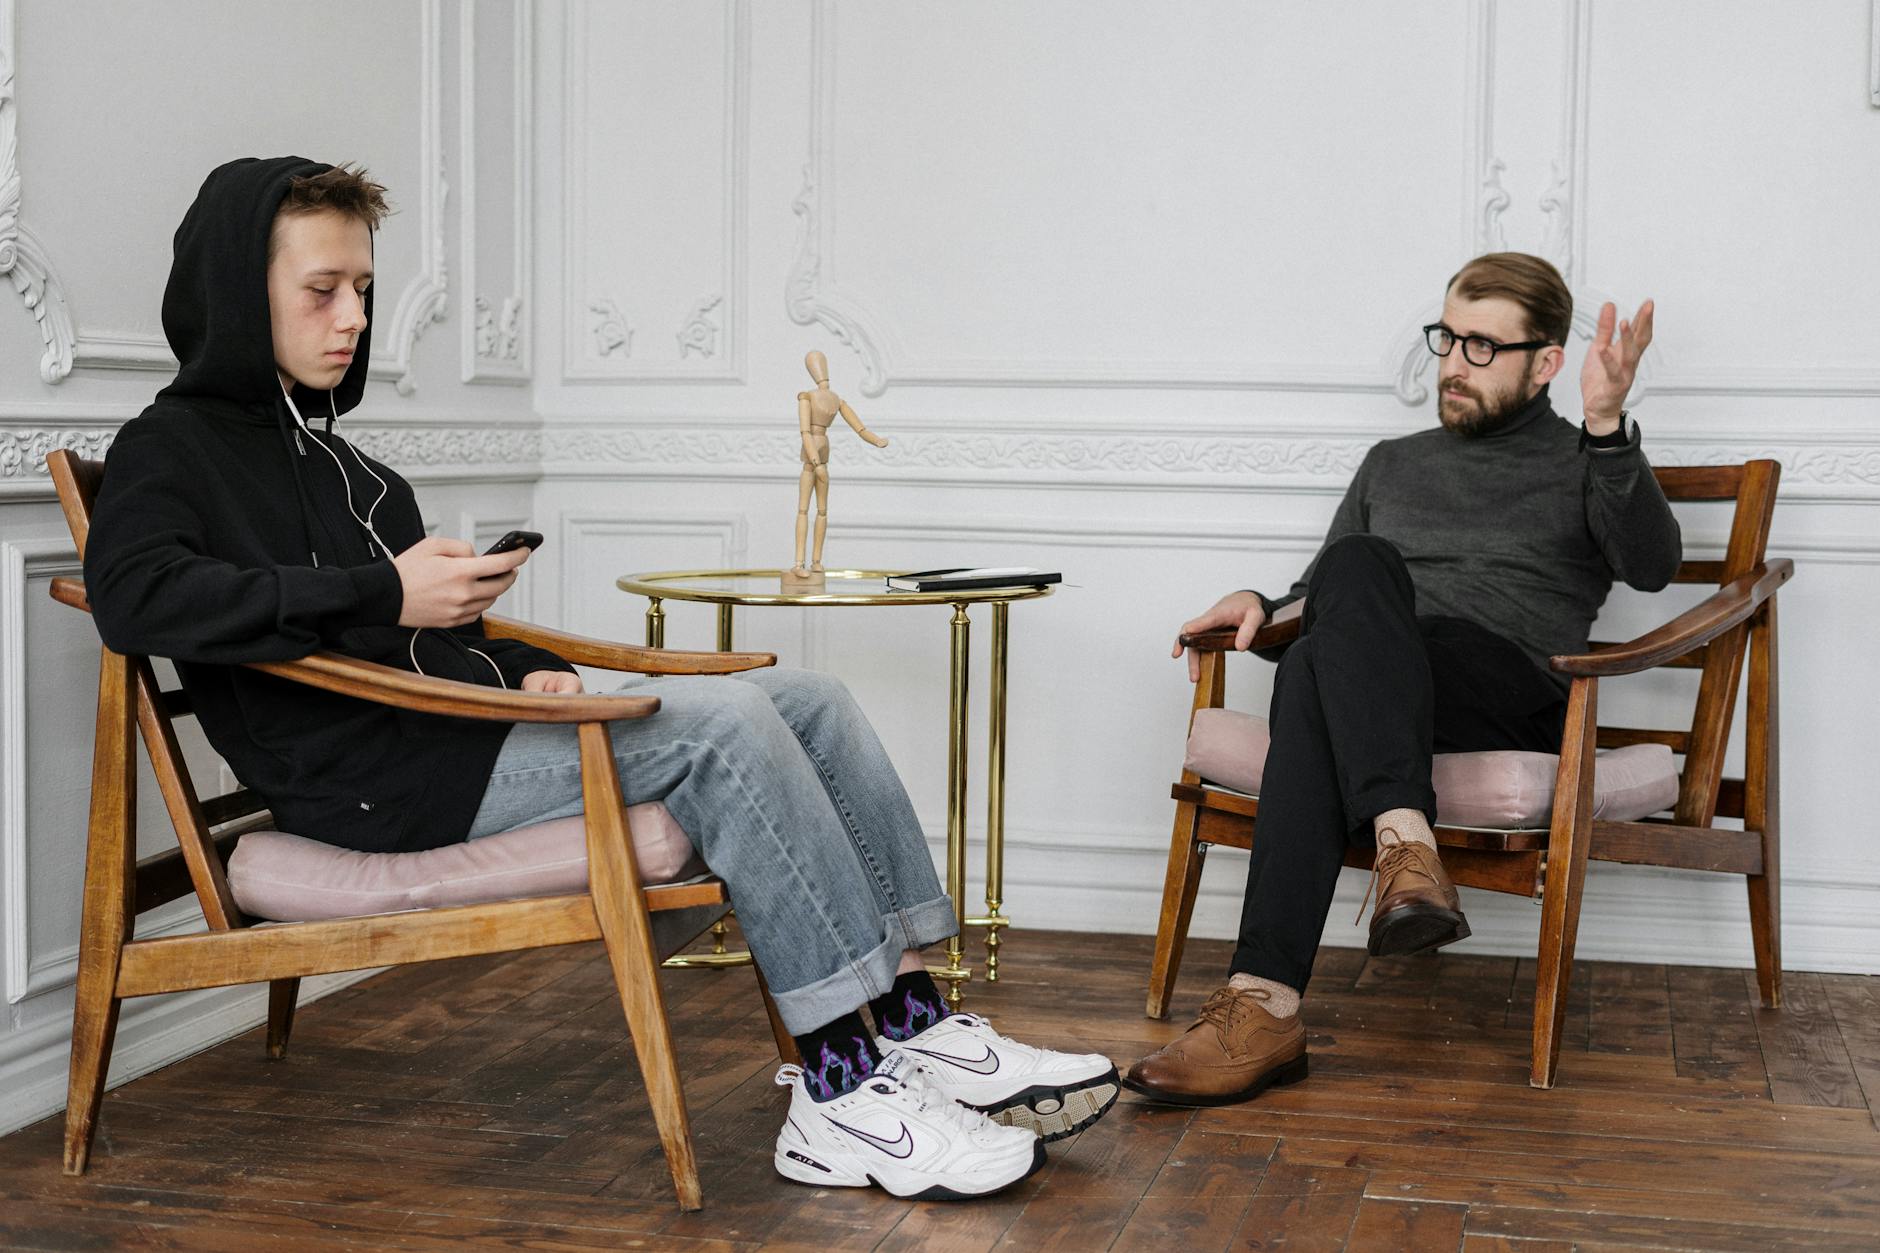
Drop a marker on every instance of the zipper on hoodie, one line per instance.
(298, 444)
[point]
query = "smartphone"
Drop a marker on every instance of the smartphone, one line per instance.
(531, 540)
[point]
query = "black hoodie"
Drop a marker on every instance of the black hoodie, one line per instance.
(222, 535)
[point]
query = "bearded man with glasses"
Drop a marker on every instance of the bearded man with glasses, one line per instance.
(1460, 559)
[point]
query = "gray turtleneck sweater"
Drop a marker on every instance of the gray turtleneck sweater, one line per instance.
(1522, 530)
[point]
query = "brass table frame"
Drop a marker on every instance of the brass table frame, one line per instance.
(664, 585)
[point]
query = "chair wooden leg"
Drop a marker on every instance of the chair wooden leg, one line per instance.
(282, 996)
(1567, 847)
(620, 906)
(786, 1043)
(1762, 810)
(1185, 856)
(105, 926)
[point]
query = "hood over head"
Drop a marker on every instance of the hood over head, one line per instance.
(215, 308)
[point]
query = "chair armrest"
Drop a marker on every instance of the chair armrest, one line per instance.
(401, 689)
(1729, 605)
(1281, 628)
(70, 591)
(585, 650)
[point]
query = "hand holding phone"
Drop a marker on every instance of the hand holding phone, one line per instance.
(531, 540)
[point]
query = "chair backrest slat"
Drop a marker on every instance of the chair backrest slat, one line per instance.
(78, 481)
(1752, 486)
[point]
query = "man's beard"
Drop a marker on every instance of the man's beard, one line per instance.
(1473, 414)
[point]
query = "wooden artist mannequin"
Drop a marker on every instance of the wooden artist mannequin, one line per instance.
(815, 410)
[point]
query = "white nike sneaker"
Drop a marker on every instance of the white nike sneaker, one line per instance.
(1051, 1094)
(898, 1131)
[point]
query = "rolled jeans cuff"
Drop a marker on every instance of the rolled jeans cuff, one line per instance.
(806, 1008)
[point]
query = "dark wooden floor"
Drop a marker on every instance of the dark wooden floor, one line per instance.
(493, 1101)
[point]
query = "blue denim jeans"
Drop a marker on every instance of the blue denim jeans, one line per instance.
(789, 797)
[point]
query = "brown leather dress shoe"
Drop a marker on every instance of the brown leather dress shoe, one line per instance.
(1417, 906)
(1234, 1052)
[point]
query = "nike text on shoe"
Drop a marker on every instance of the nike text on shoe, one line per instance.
(900, 1132)
(1053, 1094)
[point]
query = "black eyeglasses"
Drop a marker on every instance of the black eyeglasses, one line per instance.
(1476, 349)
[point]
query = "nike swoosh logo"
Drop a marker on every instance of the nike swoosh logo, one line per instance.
(975, 1064)
(886, 1146)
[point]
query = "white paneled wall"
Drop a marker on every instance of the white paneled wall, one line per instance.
(1130, 289)
(1131, 293)
(110, 116)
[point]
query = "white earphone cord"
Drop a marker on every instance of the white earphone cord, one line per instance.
(371, 510)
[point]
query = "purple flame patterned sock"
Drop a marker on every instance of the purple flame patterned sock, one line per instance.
(909, 1007)
(837, 1056)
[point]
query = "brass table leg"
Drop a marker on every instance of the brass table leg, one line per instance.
(955, 973)
(993, 920)
(720, 957)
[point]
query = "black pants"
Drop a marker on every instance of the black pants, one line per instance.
(1363, 698)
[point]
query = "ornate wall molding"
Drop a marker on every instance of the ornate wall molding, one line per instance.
(1873, 66)
(1485, 192)
(22, 257)
(1823, 464)
(574, 570)
(726, 365)
(25, 260)
(426, 298)
(415, 447)
(495, 346)
(812, 298)
(497, 335)
(699, 333)
(609, 334)
(1565, 239)
(21, 562)
(23, 449)
(1814, 462)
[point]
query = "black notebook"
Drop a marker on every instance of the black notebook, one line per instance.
(964, 579)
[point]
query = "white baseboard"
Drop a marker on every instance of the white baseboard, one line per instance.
(152, 1033)
(1074, 882)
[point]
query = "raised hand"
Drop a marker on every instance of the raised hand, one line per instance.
(1611, 365)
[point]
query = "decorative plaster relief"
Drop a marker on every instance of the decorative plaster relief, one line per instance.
(1873, 71)
(698, 332)
(1559, 202)
(499, 335)
(610, 336)
(22, 258)
(494, 348)
(601, 355)
(25, 261)
(23, 450)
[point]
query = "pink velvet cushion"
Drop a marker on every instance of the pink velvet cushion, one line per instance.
(1504, 788)
(289, 878)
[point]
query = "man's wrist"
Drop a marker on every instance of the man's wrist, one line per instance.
(1603, 424)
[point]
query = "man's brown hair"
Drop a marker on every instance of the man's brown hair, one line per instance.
(344, 189)
(1529, 281)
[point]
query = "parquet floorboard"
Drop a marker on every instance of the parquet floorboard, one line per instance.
(495, 1102)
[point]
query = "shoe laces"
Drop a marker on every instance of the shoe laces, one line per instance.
(920, 1082)
(1398, 854)
(1224, 1010)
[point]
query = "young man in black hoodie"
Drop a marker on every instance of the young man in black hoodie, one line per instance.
(230, 528)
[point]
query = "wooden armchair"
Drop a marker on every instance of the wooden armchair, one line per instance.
(1714, 636)
(615, 908)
